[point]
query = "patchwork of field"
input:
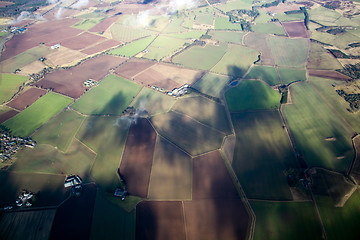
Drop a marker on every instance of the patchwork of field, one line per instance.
(320, 58)
(296, 29)
(222, 23)
(127, 33)
(133, 48)
(7, 115)
(164, 46)
(112, 96)
(227, 36)
(260, 42)
(103, 25)
(26, 122)
(212, 84)
(9, 85)
(101, 47)
(27, 98)
(290, 75)
(269, 28)
(329, 74)
(64, 57)
(264, 73)
(188, 34)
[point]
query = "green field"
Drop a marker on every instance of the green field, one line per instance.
(285, 220)
(9, 85)
(86, 24)
(33, 117)
(205, 111)
(267, 74)
(251, 95)
(202, 58)
(236, 4)
(269, 28)
(222, 23)
(212, 84)
(60, 131)
(321, 136)
(164, 46)
(186, 133)
(290, 75)
(106, 136)
(207, 19)
(112, 96)
(289, 52)
(127, 33)
(133, 48)
(188, 35)
(227, 36)
(171, 173)
(236, 61)
(320, 58)
(152, 101)
(262, 152)
(175, 26)
(47, 159)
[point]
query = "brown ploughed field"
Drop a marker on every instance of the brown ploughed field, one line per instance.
(27, 98)
(132, 67)
(7, 115)
(81, 41)
(296, 29)
(104, 25)
(101, 47)
(328, 74)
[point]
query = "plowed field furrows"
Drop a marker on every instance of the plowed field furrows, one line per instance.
(296, 29)
(132, 67)
(27, 98)
(7, 115)
(328, 74)
(136, 163)
(101, 47)
(104, 25)
(80, 41)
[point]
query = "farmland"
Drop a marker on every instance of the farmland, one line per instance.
(267, 74)
(9, 85)
(231, 37)
(133, 48)
(290, 75)
(212, 84)
(163, 46)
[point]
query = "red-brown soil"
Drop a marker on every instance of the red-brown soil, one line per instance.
(328, 74)
(132, 67)
(81, 41)
(136, 163)
(104, 25)
(160, 221)
(27, 98)
(296, 29)
(7, 115)
(211, 178)
(210, 219)
(70, 81)
(101, 47)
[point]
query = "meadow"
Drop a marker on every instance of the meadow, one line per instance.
(133, 48)
(164, 46)
(319, 58)
(265, 73)
(9, 85)
(269, 28)
(227, 36)
(222, 23)
(212, 84)
(290, 75)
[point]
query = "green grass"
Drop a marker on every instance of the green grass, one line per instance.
(128, 33)
(186, 133)
(171, 173)
(188, 35)
(311, 122)
(86, 24)
(4, 109)
(60, 131)
(188, 22)
(227, 36)
(222, 23)
(236, 61)
(205, 18)
(211, 84)
(289, 52)
(174, 26)
(152, 101)
(290, 17)
(164, 46)
(112, 96)
(268, 28)
(202, 58)
(106, 136)
(47, 159)
(133, 48)
(267, 74)
(33, 117)
(250, 95)
(320, 58)
(289, 75)
(9, 85)
(262, 152)
(236, 4)
(205, 111)
(285, 220)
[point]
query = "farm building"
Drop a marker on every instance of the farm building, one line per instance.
(72, 180)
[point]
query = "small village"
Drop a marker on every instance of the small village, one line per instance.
(176, 92)
(9, 145)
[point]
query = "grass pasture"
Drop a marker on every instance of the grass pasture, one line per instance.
(60, 131)
(267, 74)
(320, 58)
(9, 85)
(188, 34)
(321, 136)
(207, 19)
(205, 111)
(86, 24)
(227, 36)
(171, 173)
(211, 84)
(262, 152)
(222, 23)
(236, 61)
(269, 28)
(164, 46)
(133, 48)
(285, 220)
(174, 26)
(236, 4)
(26, 122)
(112, 96)
(290, 75)
(186, 133)
(252, 95)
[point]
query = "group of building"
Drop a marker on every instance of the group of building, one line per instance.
(9, 145)
(176, 92)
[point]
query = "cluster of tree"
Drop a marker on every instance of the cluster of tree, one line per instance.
(353, 99)
(283, 89)
(351, 70)
(339, 54)
(19, 6)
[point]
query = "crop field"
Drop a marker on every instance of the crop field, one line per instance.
(290, 75)
(86, 24)
(267, 74)
(171, 173)
(152, 102)
(133, 67)
(227, 36)
(137, 159)
(329, 74)
(236, 61)
(202, 58)
(252, 95)
(101, 47)
(133, 48)
(64, 56)
(289, 52)
(106, 136)
(70, 82)
(26, 122)
(7, 115)
(103, 25)
(269, 28)
(81, 41)
(299, 218)
(188, 34)
(9, 85)
(164, 46)
(260, 42)
(205, 19)
(236, 4)
(211, 84)
(32, 68)
(112, 96)
(296, 29)
(33, 224)
(59, 132)
(186, 133)
(319, 58)
(210, 113)
(222, 23)
(174, 26)
(262, 152)
(127, 33)
(323, 139)
(27, 98)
